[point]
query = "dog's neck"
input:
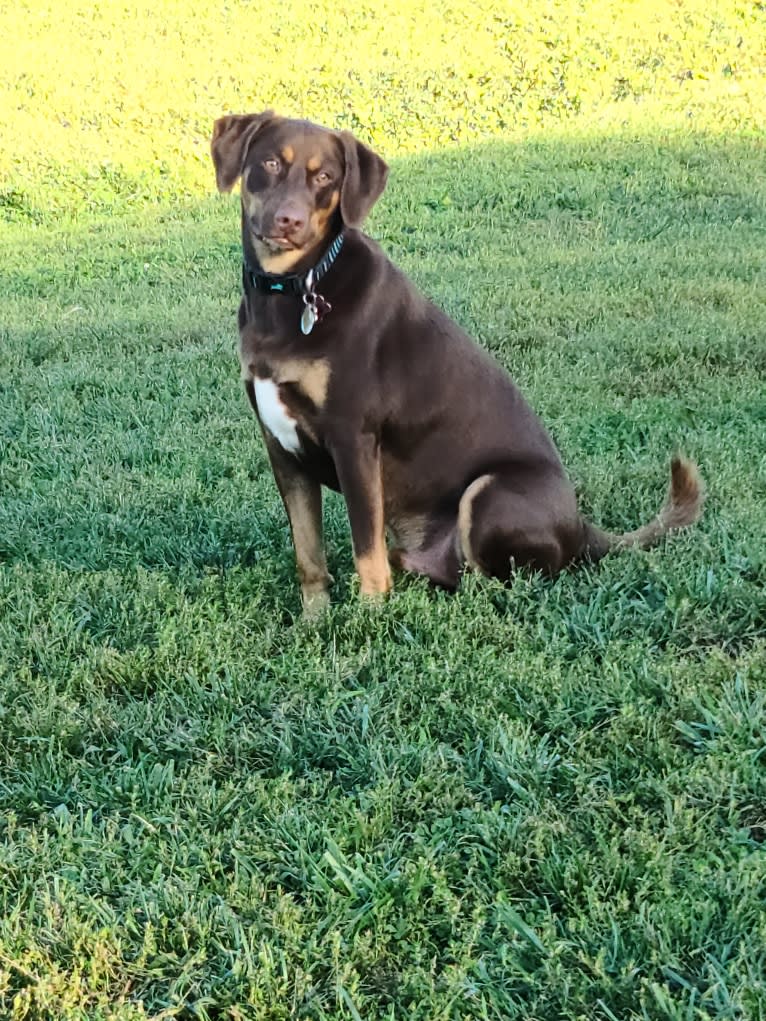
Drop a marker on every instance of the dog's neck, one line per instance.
(303, 273)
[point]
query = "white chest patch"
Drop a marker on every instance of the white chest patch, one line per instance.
(275, 416)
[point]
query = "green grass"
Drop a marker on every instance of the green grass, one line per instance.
(112, 102)
(545, 802)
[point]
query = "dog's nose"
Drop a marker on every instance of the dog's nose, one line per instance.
(289, 217)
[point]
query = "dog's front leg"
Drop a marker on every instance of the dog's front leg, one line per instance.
(302, 498)
(357, 463)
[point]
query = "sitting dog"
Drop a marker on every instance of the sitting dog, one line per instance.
(361, 384)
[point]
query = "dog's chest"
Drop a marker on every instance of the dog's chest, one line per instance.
(275, 415)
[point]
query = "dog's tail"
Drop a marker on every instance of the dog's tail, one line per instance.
(682, 507)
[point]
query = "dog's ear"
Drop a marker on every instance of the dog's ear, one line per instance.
(363, 181)
(231, 139)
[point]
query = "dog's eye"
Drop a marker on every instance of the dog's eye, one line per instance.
(272, 165)
(322, 177)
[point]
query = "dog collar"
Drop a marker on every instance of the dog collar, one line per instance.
(315, 306)
(300, 284)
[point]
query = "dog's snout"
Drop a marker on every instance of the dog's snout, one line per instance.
(290, 217)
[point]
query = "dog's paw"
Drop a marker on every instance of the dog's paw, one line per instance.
(374, 600)
(315, 604)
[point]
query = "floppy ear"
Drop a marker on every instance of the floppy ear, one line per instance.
(231, 140)
(363, 181)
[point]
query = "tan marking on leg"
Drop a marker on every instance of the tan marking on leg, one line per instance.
(465, 518)
(288, 154)
(358, 466)
(374, 572)
(304, 505)
(372, 565)
(311, 375)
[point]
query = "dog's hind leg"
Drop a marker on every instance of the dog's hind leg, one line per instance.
(518, 519)
(437, 560)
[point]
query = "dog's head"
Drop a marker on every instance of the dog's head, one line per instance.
(299, 181)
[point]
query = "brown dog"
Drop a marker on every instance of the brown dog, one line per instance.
(360, 384)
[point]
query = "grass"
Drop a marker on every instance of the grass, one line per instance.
(112, 103)
(542, 802)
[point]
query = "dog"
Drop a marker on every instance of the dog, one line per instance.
(362, 385)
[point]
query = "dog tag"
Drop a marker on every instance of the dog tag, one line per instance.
(321, 306)
(308, 318)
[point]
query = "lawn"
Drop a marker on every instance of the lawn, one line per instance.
(545, 802)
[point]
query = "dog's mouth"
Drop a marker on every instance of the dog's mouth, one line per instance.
(277, 243)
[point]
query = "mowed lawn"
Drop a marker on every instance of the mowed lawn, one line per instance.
(545, 802)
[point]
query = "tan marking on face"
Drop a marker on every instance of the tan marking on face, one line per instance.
(272, 262)
(250, 202)
(278, 262)
(310, 375)
(320, 218)
(374, 572)
(465, 518)
(313, 164)
(288, 154)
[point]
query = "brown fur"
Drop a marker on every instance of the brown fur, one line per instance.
(423, 433)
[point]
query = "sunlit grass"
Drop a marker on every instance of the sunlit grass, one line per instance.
(102, 99)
